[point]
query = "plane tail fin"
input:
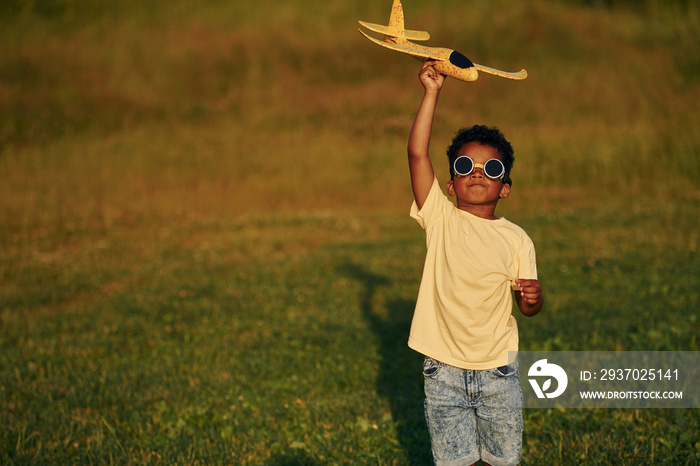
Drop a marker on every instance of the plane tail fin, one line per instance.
(396, 24)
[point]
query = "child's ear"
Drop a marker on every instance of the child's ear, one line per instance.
(451, 188)
(505, 190)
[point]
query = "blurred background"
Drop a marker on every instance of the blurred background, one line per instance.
(115, 110)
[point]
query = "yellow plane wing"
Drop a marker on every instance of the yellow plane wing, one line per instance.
(522, 74)
(416, 52)
(389, 31)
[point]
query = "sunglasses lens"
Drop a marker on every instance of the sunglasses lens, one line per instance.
(463, 165)
(494, 168)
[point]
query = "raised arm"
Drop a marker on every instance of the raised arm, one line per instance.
(422, 174)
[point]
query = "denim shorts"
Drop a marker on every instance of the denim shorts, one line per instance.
(473, 414)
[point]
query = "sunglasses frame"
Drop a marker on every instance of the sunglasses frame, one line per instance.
(499, 177)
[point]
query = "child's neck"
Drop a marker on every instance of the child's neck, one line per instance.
(487, 212)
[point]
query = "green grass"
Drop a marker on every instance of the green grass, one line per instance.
(296, 354)
(205, 249)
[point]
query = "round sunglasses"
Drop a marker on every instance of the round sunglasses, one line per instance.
(493, 168)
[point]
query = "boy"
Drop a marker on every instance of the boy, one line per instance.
(462, 322)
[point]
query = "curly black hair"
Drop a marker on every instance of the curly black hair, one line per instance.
(488, 137)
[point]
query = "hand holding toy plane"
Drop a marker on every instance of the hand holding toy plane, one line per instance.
(449, 62)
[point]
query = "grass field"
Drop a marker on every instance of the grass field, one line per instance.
(205, 249)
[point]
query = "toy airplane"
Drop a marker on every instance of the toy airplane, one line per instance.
(450, 62)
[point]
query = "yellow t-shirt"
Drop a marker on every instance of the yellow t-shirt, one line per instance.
(463, 312)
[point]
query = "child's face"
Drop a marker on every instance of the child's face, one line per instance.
(476, 189)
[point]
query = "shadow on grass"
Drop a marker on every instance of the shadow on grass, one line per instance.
(400, 378)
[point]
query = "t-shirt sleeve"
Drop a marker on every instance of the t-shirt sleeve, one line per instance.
(432, 208)
(528, 262)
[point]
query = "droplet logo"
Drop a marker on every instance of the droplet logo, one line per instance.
(542, 368)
